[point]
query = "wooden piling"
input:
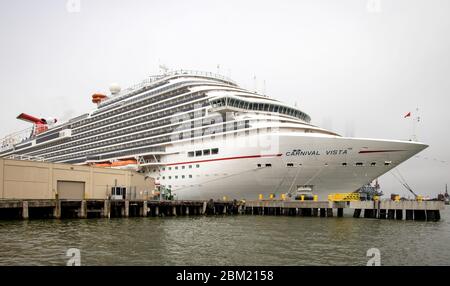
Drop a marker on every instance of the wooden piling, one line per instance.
(329, 212)
(107, 209)
(57, 209)
(391, 214)
(174, 211)
(399, 214)
(126, 208)
(409, 215)
(25, 214)
(83, 210)
(382, 214)
(145, 208)
(323, 212)
(315, 211)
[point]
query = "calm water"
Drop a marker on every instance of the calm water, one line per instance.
(229, 240)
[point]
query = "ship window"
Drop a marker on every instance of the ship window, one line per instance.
(170, 177)
(170, 168)
(190, 176)
(197, 166)
(176, 177)
(259, 165)
(359, 164)
(176, 168)
(206, 152)
(387, 163)
(215, 151)
(182, 177)
(190, 166)
(183, 167)
(164, 177)
(268, 165)
(290, 165)
(198, 153)
(191, 154)
(373, 164)
(163, 169)
(344, 164)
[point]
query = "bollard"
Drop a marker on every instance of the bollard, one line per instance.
(261, 196)
(316, 198)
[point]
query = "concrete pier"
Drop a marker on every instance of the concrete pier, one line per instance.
(387, 209)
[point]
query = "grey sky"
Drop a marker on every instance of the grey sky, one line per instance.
(352, 69)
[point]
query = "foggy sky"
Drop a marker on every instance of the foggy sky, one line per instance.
(354, 66)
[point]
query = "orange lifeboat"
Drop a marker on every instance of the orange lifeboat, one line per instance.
(123, 163)
(98, 97)
(104, 164)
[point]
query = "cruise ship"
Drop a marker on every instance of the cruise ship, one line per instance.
(203, 136)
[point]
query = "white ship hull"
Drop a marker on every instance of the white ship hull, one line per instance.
(234, 172)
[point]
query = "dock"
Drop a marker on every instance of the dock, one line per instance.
(97, 208)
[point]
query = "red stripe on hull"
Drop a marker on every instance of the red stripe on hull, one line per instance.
(379, 151)
(223, 159)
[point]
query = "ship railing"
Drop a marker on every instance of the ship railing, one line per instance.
(9, 141)
(152, 79)
(201, 73)
(26, 158)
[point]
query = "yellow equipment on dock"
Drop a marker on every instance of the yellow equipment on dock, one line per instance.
(344, 197)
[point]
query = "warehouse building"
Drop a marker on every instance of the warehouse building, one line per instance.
(21, 179)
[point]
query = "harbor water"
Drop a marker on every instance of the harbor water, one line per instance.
(225, 240)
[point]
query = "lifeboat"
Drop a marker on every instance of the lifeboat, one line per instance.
(104, 164)
(123, 163)
(98, 97)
